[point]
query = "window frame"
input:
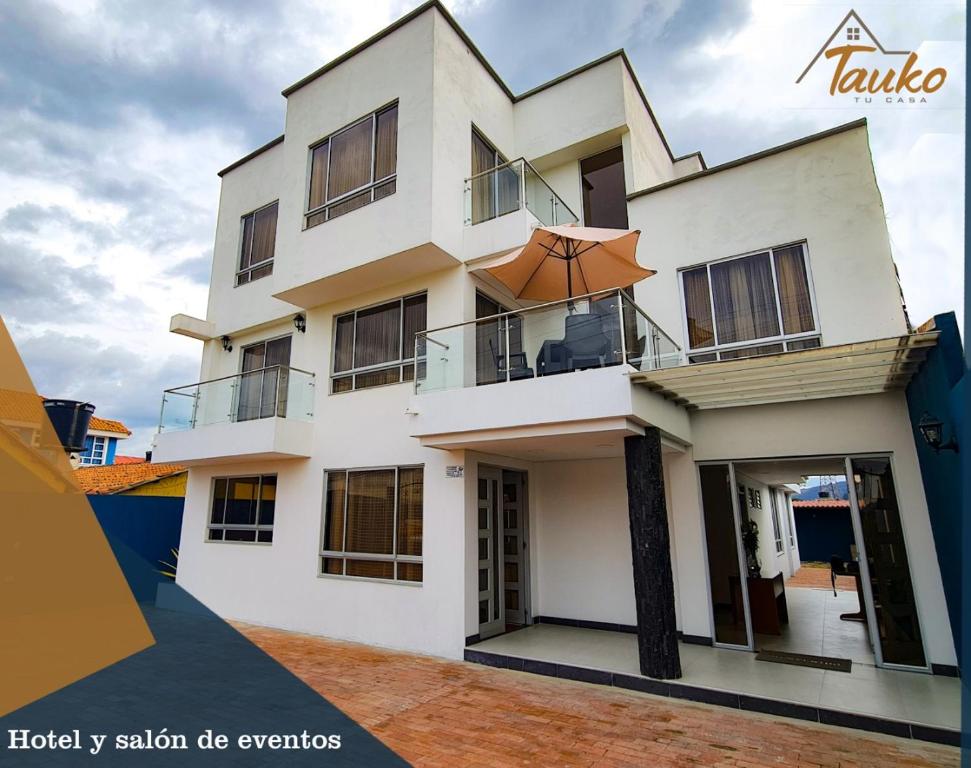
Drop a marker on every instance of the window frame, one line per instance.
(239, 251)
(369, 186)
(94, 452)
(344, 555)
(782, 338)
(778, 533)
(400, 363)
(256, 527)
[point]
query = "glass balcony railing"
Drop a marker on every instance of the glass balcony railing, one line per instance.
(593, 331)
(510, 187)
(274, 391)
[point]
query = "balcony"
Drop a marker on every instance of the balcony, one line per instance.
(504, 204)
(264, 414)
(556, 370)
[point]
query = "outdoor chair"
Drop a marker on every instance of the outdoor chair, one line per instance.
(518, 368)
(586, 344)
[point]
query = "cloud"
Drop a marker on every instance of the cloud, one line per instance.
(119, 382)
(195, 269)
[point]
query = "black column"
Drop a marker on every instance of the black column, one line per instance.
(650, 542)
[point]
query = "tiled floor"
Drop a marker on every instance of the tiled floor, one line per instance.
(435, 712)
(908, 696)
(815, 626)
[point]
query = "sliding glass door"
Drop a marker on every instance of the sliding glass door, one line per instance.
(892, 603)
(731, 623)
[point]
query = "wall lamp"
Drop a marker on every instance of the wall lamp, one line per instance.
(932, 430)
(300, 323)
(227, 343)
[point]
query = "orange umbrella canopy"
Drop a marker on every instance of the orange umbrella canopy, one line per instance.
(561, 262)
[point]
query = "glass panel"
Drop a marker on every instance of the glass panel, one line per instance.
(510, 545)
(415, 321)
(483, 187)
(697, 307)
(370, 512)
(385, 190)
(218, 501)
(409, 571)
(744, 296)
(331, 565)
(334, 504)
(765, 349)
(378, 335)
(344, 343)
(511, 518)
(724, 575)
(512, 600)
(246, 243)
(267, 499)
(604, 190)
(345, 384)
(264, 537)
(372, 569)
(386, 148)
(483, 549)
(240, 534)
(803, 344)
(483, 579)
(264, 234)
(216, 534)
(378, 378)
(790, 274)
(894, 601)
(318, 176)
(512, 573)
(241, 502)
(489, 342)
(350, 159)
(348, 205)
(483, 611)
(410, 494)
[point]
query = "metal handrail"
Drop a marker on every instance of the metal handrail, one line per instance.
(525, 163)
(173, 390)
(545, 305)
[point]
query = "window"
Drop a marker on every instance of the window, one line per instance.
(376, 345)
(257, 242)
(353, 167)
(243, 509)
(755, 498)
(604, 190)
(760, 297)
(496, 193)
(95, 450)
(373, 523)
(776, 522)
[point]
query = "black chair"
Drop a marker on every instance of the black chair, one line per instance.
(586, 344)
(518, 369)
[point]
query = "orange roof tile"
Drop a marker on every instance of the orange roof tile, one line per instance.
(821, 503)
(129, 459)
(113, 478)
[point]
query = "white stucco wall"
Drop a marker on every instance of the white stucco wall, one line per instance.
(823, 192)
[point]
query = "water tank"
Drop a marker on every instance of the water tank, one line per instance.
(70, 419)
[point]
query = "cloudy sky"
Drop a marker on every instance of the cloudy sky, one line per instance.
(115, 116)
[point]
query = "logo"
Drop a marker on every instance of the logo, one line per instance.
(864, 69)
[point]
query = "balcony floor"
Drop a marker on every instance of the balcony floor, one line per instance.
(889, 701)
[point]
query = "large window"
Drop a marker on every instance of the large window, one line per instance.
(95, 450)
(373, 523)
(757, 304)
(376, 345)
(257, 241)
(243, 509)
(353, 167)
(604, 190)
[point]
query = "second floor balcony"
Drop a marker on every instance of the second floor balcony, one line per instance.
(503, 204)
(266, 413)
(551, 370)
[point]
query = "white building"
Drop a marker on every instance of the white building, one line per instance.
(337, 487)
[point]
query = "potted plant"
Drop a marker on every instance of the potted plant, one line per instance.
(750, 542)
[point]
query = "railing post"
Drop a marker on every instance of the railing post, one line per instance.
(623, 329)
(195, 409)
(507, 355)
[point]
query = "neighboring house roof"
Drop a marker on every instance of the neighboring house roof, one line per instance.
(115, 478)
(825, 503)
(108, 425)
(130, 459)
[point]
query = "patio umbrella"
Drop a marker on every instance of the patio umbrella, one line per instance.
(562, 262)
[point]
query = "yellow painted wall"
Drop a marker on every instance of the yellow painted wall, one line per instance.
(174, 485)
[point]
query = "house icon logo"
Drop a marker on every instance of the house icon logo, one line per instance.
(865, 68)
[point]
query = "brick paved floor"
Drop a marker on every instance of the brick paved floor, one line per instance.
(819, 578)
(435, 712)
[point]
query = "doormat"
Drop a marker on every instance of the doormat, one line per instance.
(806, 660)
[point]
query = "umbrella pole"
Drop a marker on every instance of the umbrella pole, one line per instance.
(570, 306)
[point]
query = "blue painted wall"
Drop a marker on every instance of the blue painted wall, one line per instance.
(940, 389)
(110, 450)
(823, 533)
(141, 529)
